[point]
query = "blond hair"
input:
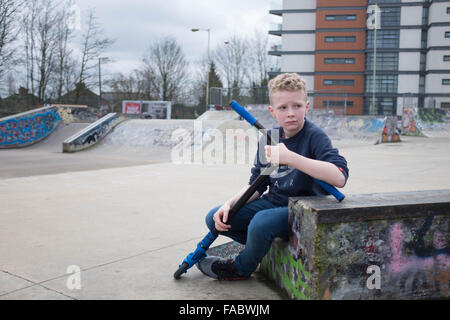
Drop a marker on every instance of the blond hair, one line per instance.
(287, 82)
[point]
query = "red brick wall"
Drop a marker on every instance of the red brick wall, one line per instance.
(357, 88)
(359, 65)
(359, 44)
(360, 21)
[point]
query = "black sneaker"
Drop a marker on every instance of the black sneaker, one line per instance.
(221, 269)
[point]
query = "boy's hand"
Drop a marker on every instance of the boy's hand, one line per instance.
(278, 154)
(221, 217)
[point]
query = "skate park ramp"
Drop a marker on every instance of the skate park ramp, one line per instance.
(155, 139)
(54, 141)
(351, 129)
(434, 129)
(219, 115)
(342, 129)
(431, 123)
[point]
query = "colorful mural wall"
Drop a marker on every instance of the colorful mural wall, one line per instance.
(28, 128)
(410, 126)
(336, 260)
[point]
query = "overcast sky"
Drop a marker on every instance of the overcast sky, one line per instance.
(135, 23)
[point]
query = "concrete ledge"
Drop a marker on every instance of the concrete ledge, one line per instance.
(373, 246)
(92, 134)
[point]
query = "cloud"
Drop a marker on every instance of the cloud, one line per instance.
(134, 24)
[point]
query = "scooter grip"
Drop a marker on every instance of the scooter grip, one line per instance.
(331, 190)
(243, 113)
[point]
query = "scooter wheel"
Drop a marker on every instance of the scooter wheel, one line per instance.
(182, 269)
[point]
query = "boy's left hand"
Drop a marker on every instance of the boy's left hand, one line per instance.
(278, 154)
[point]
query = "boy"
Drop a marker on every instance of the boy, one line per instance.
(305, 152)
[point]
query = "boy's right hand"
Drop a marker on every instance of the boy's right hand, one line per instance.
(221, 217)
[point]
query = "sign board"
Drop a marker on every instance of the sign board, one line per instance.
(131, 107)
(148, 109)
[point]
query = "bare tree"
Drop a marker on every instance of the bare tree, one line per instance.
(11, 84)
(28, 23)
(93, 44)
(46, 44)
(165, 62)
(129, 87)
(146, 82)
(258, 58)
(39, 23)
(63, 61)
(9, 30)
(232, 60)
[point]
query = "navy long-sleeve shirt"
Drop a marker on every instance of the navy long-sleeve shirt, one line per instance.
(311, 142)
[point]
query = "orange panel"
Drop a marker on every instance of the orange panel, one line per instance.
(359, 44)
(356, 109)
(358, 86)
(360, 21)
(358, 66)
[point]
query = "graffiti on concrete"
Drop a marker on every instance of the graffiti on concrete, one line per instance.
(288, 272)
(288, 263)
(411, 254)
(432, 114)
(409, 122)
(421, 258)
(92, 134)
(390, 131)
(28, 129)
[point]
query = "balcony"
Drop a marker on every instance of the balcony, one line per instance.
(275, 50)
(275, 29)
(276, 47)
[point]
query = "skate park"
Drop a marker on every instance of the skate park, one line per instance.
(125, 215)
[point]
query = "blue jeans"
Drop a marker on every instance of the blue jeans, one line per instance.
(256, 225)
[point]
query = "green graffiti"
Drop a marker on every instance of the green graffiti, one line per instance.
(281, 257)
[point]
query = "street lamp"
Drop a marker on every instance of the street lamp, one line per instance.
(209, 64)
(374, 23)
(100, 60)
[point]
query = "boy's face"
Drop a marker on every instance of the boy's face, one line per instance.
(289, 108)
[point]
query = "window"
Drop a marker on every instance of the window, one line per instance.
(425, 13)
(445, 105)
(386, 61)
(339, 60)
(390, 17)
(446, 82)
(340, 17)
(337, 103)
(385, 38)
(447, 34)
(340, 39)
(338, 82)
(448, 9)
(446, 58)
(422, 84)
(385, 84)
(385, 106)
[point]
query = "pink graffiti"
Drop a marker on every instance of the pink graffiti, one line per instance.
(401, 263)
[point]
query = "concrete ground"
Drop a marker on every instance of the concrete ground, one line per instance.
(127, 222)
